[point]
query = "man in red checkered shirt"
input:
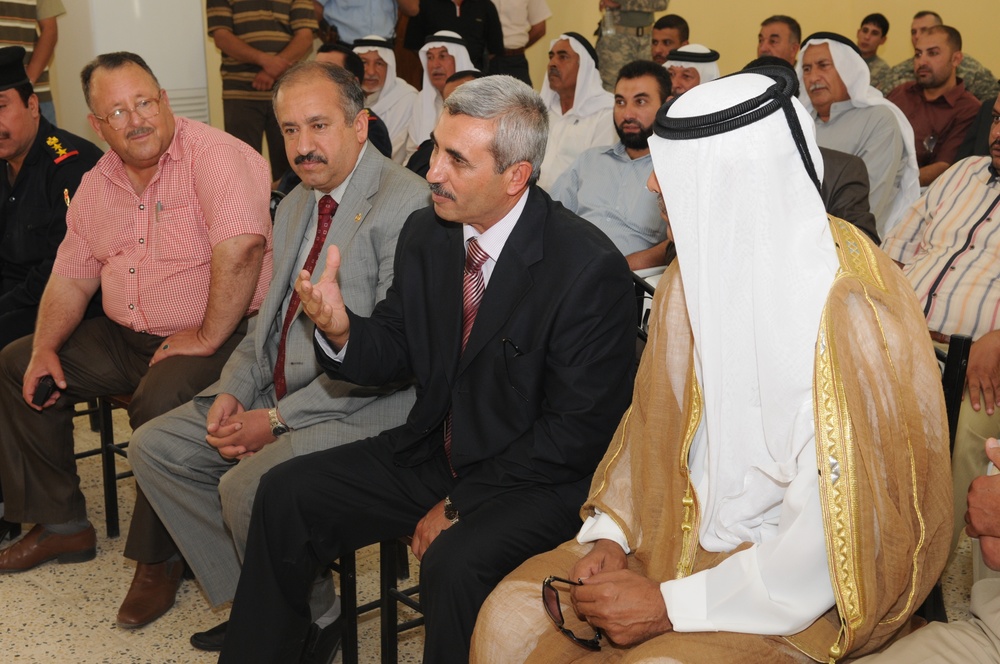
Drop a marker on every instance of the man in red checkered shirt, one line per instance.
(173, 226)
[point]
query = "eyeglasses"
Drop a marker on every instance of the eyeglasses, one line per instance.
(550, 600)
(119, 118)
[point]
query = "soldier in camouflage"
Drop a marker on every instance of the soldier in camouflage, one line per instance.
(978, 80)
(873, 32)
(624, 34)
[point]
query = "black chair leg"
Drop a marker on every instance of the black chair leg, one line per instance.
(388, 569)
(933, 609)
(108, 468)
(349, 608)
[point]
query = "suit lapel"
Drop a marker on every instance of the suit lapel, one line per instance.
(511, 278)
(289, 228)
(354, 206)
(447, 315)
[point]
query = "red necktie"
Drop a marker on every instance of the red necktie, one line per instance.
(327, 208)
(473, 288)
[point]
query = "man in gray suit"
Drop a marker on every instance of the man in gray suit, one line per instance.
(273, 401)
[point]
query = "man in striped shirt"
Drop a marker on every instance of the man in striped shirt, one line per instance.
(259, 40)
(948, 245)
(32, 24)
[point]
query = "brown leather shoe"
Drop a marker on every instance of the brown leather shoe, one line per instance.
(152, 593)
(40, 546)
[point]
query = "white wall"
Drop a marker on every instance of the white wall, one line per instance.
(168, 34)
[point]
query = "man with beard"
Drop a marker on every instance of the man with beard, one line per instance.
(389, 96)
(937, 104)
(606, 185)
(978, 79)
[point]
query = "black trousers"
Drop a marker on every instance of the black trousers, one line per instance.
(310, 509)
(37, 462)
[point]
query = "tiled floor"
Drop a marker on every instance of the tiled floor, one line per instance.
(62, 614)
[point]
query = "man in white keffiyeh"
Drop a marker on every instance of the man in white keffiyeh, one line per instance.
(390, 97)
(853, 117)
(773, 493)
(580, 109)
(443, 54)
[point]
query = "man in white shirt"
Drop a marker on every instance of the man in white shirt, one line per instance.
(580, 114)
(853, 117)
(442, 55)
(389, 96)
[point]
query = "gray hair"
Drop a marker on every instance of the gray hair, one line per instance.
(522, 121)
(352, 99)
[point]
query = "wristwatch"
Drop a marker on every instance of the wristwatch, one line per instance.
(450, 511)
(277, 426)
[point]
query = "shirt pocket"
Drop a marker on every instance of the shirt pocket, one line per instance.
(180, 236)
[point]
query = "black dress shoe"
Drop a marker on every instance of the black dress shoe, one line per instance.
(9, 530)
(322, 644)
(212, 639)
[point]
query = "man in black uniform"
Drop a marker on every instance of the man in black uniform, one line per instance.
(42, 167)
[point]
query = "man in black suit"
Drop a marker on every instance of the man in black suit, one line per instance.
(498, 451)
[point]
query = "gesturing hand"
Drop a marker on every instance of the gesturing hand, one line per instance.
(322, 301)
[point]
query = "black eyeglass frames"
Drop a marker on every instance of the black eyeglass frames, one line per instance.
(550, 600)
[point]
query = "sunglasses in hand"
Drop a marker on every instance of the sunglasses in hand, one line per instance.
(550, 600)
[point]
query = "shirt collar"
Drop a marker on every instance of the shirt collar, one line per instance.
(338, 192)
(495, 237)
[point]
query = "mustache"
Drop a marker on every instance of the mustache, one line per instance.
(816, 86)
(139, 131)
(438, 190)
(310, 156)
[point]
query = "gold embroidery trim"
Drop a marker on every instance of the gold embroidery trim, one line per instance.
(857, 257)
(692, 518)
(834, 450)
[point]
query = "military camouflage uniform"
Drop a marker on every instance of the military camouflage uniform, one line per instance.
(881, 74)
(978, 80)
(631, 40)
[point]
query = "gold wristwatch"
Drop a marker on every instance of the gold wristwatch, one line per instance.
(277, 426)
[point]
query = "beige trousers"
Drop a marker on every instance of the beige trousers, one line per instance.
(513, 627)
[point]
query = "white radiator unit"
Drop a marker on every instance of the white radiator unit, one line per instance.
(190, 103)
(168, 34)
